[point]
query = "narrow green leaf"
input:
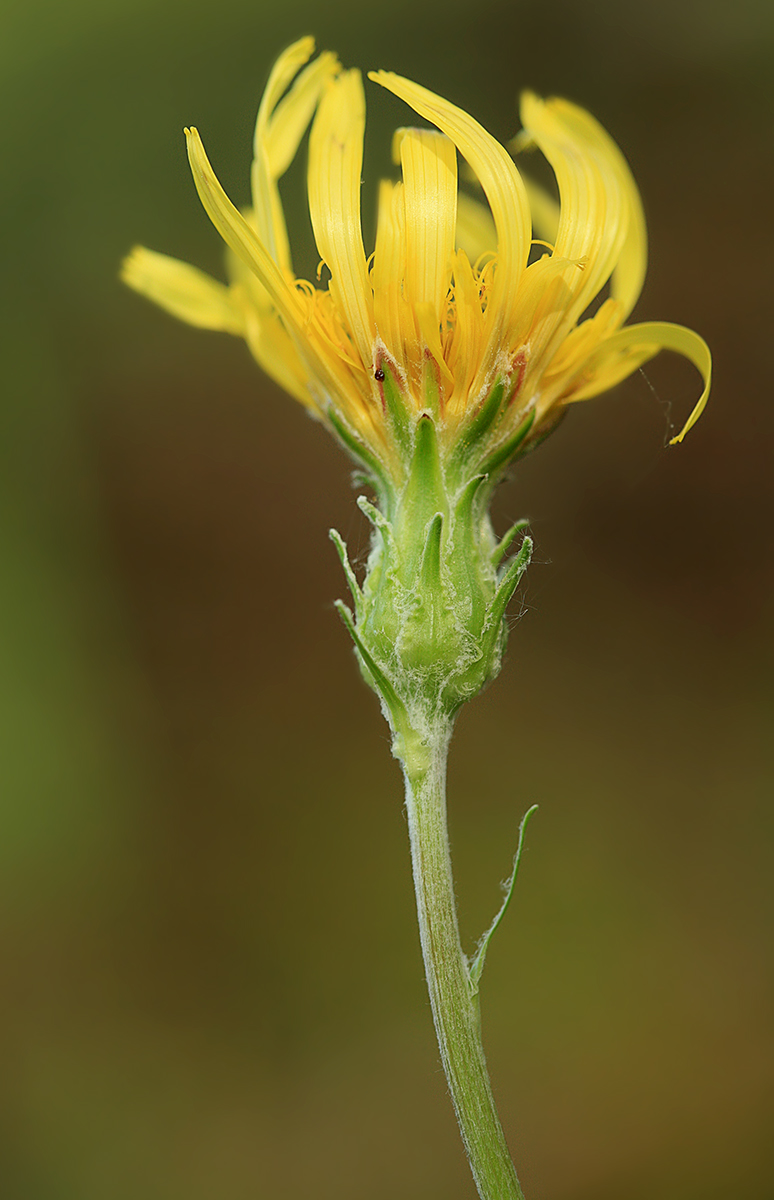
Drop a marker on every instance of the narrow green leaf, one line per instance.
(477, 966)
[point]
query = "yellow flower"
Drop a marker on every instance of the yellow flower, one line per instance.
(454, 313)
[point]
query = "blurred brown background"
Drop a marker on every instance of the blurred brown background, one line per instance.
(211, 986)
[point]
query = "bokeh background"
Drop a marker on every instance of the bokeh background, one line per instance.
(210, 982)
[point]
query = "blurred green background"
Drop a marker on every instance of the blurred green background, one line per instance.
(210, 982)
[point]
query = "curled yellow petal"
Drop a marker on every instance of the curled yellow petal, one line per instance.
(182, 290)
(601, 213)
(502, 186)
(281, 75)
(618, 356)
(282, 122)
(291, 118)
(593, 216)
(429, 166)
(237, 234)
(392, 315)
(335, 166)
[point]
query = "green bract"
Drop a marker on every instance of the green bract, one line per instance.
(428, 621)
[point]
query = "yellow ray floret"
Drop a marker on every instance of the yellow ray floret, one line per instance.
(459, 307)
(183, 290)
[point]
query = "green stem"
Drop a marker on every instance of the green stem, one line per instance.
(452, 996)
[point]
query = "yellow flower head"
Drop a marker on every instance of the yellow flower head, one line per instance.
(456, 313)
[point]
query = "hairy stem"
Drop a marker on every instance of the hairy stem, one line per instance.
(452, 996)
